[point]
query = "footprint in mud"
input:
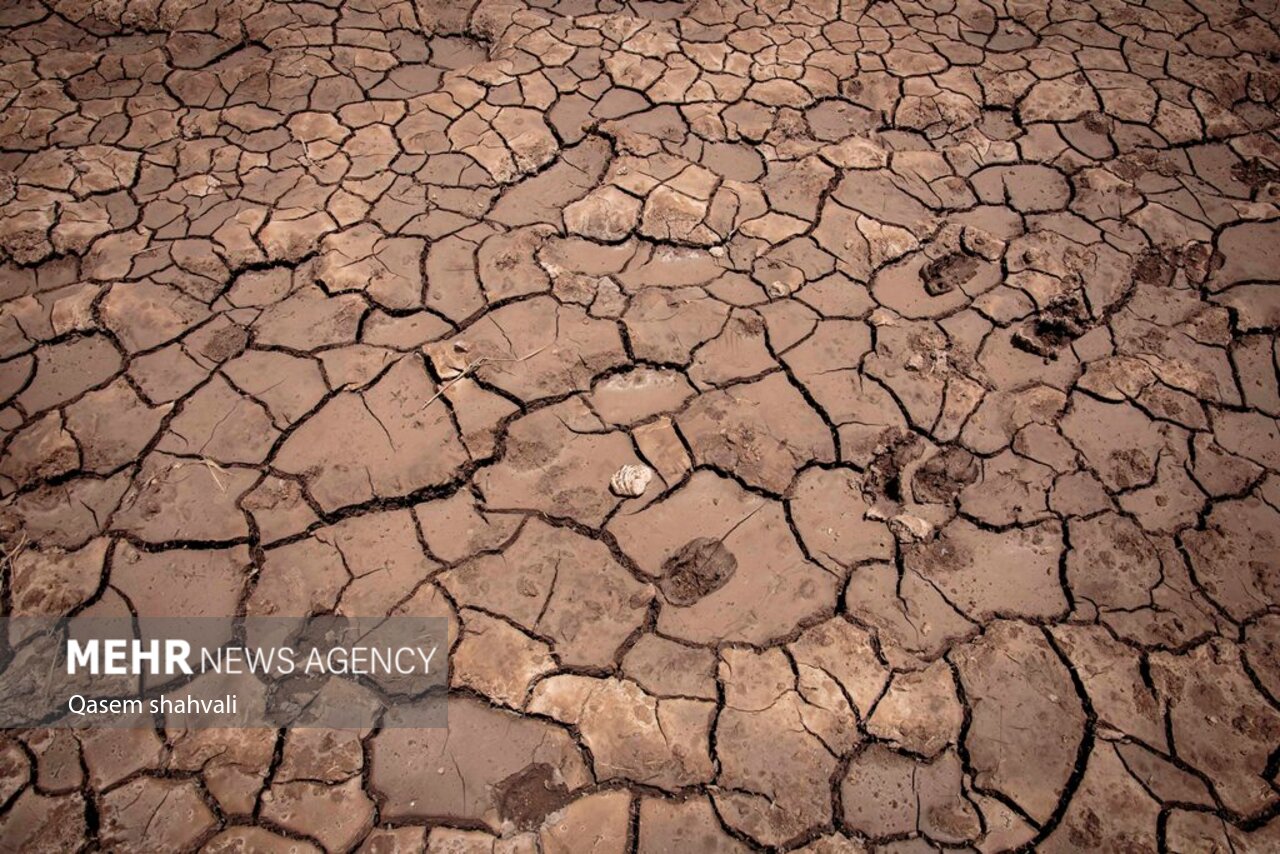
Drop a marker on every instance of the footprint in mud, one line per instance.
(698, 568)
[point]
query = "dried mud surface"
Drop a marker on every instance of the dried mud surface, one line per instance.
(947, 332)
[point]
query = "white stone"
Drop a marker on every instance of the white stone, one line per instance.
(908, 528)
(631, 480)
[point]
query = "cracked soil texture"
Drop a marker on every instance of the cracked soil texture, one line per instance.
(827, 425)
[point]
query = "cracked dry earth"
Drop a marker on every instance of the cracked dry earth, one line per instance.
(945, 333)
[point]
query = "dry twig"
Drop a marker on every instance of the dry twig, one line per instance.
(471, 367)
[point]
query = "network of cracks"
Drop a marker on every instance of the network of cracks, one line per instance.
(939, 336)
